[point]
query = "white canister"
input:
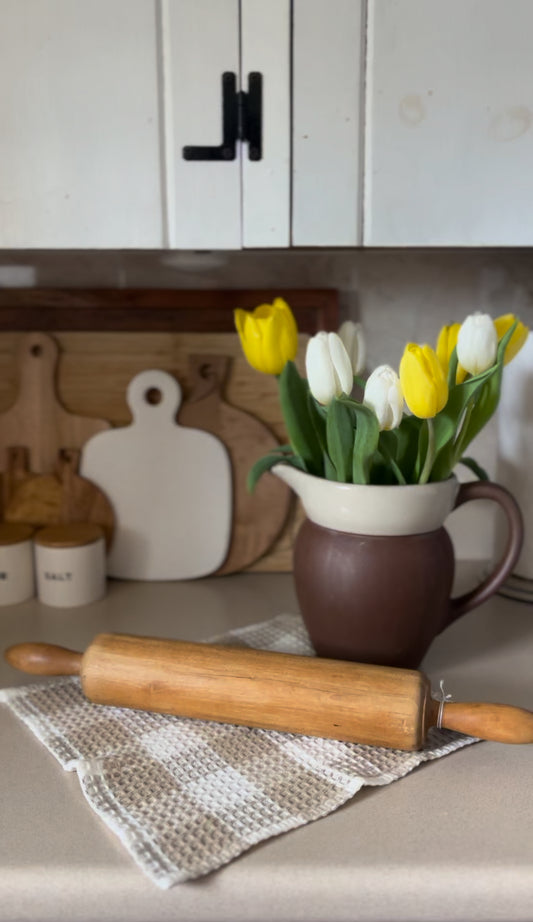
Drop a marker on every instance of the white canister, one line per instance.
(17, 579)
(70, 563)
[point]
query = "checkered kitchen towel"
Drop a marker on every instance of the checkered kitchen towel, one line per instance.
(187, 796)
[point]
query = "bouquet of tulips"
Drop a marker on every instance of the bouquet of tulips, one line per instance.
(410, 426)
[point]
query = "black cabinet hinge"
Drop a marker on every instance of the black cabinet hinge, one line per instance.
(241, 121)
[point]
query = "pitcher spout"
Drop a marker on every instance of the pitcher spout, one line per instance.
(293, 477)
(371, 510)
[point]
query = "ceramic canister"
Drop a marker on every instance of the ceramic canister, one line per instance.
(70, 563)
(17, 579)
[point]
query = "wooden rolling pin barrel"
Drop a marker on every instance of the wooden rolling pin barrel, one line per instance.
(377, 705)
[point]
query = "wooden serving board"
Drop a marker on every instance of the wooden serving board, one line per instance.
(37, 419)
(258, 518)
(170, 487)
(62, 497)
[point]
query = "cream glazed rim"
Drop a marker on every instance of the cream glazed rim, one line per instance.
(372, 509)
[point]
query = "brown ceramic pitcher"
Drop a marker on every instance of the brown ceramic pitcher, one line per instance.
(374, 566)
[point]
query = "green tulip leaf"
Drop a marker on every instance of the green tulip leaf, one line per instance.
(294, 401)
(470, 406)
(452, 368)
(365, 443)
(390, 447)
(421, 451)
(318, 416)
(476, 468)
(283, 449)
(329, 468)
(264, 464)
(339, 437)
(389, 443)
(486, 401)
(407, 438)
(446, 423)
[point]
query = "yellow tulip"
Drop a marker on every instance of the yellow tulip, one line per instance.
(269, 336)
(518, 338)
(423, 381)
(446, 343)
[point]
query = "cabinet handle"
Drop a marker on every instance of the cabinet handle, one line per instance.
(241, 121)
(230, 126)
(251, 119)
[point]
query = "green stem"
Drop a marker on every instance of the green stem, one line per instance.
(430, 454)
(393, 465)
(460, 442)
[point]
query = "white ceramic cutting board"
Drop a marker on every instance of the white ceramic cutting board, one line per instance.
(170, 487)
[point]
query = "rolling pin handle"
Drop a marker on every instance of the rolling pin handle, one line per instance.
(44, 659)
(498, 722)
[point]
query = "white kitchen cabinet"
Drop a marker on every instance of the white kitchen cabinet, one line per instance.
(328, 88)
(98, 101)
(384, 123)
(449, 123)
(79, 132)
(219, 203)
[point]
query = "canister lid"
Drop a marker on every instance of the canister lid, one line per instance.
(15, 532)
(73, 535)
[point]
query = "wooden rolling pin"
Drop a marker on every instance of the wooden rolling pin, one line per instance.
(377, 705)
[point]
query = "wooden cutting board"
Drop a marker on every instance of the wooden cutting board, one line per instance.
(16, 473)
(37, 419)
(258, 518)
(170, 487)
(62, 497)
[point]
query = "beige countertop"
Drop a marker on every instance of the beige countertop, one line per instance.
(453, 840)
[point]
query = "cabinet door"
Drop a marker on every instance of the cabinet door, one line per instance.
(226, 203)
(79, 136)
(328, 42)
(449, 134)
(200, 44)
(265, 48)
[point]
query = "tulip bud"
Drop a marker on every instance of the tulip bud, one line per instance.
(423, 381)
(446, 343)
(518, 338)
(269, 336)
(383, 394)
(354, 342)
(328, 367)
(477, 343)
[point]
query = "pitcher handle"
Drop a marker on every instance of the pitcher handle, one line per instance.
(485, 489)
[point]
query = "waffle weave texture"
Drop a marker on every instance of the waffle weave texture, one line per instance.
(187, 796)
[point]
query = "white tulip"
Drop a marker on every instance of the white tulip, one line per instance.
(477, 343)
(328, 367)
(383, 394)
(353, 338)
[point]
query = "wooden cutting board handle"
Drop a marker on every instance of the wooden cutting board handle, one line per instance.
(37, 419)
(376, 705)
(258, 517)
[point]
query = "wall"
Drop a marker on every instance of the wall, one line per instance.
(398, 296)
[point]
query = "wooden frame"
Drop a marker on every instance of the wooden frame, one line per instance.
(155, 310)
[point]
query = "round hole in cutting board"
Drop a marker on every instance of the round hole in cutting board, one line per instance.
(153, 396)
(36, 350)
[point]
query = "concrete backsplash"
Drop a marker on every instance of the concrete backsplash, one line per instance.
(398, 296)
